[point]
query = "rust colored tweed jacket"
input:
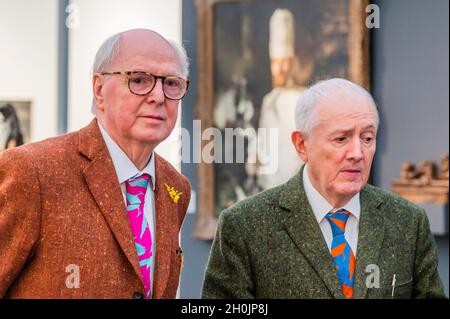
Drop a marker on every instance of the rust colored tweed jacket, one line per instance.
(61, 204)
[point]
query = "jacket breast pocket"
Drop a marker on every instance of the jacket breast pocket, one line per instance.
(401, 290)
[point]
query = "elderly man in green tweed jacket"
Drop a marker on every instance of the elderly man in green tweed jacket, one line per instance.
(326, 233)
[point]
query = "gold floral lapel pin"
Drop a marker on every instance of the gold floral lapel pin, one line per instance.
(173, 193)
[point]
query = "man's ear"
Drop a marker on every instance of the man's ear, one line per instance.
(300, 142)
(97, 88)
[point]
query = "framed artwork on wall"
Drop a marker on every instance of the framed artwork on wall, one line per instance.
(255, 58)
(15, 123)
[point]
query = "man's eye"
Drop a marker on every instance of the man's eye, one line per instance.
(139, 80)
(368, 140)
(340, 139)
(172, 82)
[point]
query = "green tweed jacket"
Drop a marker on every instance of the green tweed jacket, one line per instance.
(271, 246)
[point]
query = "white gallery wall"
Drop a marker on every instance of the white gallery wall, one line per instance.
(29, 54)
(29, 60)
(91, 22)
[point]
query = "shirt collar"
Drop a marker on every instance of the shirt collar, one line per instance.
(320, 205)
(125, 169)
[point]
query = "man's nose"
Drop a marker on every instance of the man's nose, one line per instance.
(355, 150)
(157, 94)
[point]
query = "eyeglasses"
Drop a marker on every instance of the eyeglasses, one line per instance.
(142, 83)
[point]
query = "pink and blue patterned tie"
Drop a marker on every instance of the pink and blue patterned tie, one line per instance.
(136, 188)
(342, 253)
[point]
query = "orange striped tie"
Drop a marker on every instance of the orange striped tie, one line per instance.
(342, 253)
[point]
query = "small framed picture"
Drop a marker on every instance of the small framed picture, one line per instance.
(15, 123)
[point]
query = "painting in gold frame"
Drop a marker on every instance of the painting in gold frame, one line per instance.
(331, 40)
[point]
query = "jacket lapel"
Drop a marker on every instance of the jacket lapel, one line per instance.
(164, 212)
(102, 182)
(304, 230)
(370, 239)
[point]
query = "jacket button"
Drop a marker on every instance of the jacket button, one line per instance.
(138, 295)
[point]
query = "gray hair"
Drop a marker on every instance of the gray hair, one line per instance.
(306, 115)
(109, 50)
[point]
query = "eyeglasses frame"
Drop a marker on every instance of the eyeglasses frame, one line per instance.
(129, 73)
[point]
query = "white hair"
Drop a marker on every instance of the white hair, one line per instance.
(109, 50)
(306, 115)
(182, 57)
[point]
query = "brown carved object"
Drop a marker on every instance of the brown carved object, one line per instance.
(443, 172)
(426, 184)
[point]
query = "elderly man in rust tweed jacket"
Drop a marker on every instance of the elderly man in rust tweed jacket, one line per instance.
(96, 213)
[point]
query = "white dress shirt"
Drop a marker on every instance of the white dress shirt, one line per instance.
(125, 169)
(321, 208)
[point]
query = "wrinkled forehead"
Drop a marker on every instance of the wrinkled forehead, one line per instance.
(146, 51)
(339, 105)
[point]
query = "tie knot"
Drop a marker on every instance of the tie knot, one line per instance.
(136, 188)
(338, 220)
